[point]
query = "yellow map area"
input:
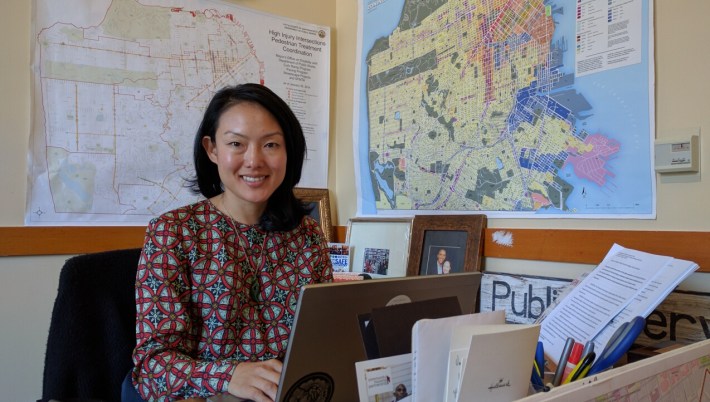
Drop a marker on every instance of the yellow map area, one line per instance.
(445, 131)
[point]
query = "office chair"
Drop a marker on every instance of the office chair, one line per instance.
(92, 329)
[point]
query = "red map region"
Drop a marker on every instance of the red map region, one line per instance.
(590, 165)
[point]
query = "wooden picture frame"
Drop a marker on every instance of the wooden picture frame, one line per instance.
(459, 236)
(319, 199)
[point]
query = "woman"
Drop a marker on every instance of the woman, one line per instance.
(218, 280)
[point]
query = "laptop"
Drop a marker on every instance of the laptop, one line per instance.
(326, 337)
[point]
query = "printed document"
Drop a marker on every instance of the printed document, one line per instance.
(621, 278)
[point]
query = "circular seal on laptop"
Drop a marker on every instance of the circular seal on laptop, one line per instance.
(314, 387)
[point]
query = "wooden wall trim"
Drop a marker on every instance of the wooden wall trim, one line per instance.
(69, 240)
(60, 240)
(557, 245)
(590, 246)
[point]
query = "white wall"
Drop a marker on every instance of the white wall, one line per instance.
(28, 284)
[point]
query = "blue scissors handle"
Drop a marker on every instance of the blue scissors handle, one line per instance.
(619, 344)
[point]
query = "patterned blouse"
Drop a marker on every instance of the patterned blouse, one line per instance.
(211, 292)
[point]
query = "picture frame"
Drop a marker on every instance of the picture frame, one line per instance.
(459, 236)
(319, 201)
(382, 241)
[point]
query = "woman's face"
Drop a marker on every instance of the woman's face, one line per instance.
(250, 153)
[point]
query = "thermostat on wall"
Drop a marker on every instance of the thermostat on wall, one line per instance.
(679, 154)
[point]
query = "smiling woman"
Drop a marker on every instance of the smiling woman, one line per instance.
(215, 277)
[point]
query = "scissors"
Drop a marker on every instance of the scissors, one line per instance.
(619, 344)
(540, 358)
(538, 369)
(536, 378)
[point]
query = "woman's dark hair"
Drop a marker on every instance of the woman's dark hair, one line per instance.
(283, 210)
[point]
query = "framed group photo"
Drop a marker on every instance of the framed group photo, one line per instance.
(443, 244)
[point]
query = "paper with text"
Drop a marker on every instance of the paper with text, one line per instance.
(594, 302)
(670, 276)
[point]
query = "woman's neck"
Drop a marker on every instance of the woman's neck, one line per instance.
(239, 210)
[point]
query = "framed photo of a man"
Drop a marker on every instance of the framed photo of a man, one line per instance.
(443, 244)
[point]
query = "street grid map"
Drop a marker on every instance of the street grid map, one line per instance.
(120, 88)
(468, 105)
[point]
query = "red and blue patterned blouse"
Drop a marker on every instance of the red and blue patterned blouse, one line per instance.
(211, 292)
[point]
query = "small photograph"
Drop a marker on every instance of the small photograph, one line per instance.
(339, 256)
(443, 252)
(387, 379)
(376, 261)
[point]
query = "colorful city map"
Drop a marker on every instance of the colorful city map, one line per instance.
(511, 107)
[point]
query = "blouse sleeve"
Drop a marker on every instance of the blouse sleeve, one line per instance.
(166, 365)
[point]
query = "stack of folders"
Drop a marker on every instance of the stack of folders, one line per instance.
(612, 299)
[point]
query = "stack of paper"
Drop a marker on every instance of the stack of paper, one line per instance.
(626, 284)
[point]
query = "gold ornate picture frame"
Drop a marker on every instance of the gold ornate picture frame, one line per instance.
(319, 199)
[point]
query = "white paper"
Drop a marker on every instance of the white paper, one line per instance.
(649, 298)
(430, 351)
(621, 277)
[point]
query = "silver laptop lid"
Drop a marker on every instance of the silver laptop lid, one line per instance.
(326, 341)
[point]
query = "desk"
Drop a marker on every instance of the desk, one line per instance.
(675, 375)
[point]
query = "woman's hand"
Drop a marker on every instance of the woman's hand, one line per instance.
(256, 381)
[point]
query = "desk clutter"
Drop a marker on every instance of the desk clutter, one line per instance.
(586, 330)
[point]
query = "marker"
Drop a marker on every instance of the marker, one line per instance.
(582, 368)
(588, 348)
(574, 357)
